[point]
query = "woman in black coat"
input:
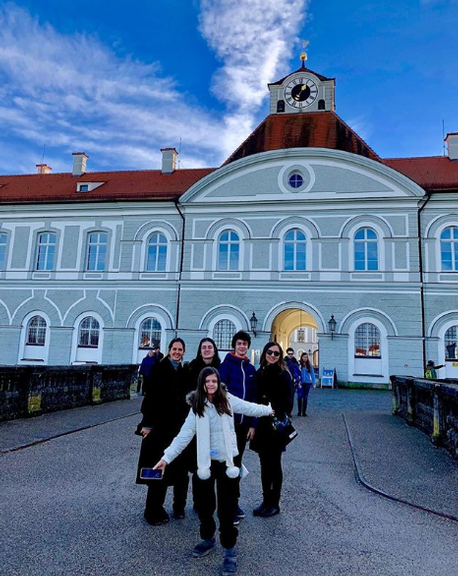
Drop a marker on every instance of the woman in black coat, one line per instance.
(164, 410)
(274, 387)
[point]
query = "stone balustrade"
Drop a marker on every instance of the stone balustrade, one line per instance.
(431, 405)
(30, 390)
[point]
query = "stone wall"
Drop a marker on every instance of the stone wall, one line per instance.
(431, 405)
(31, 390)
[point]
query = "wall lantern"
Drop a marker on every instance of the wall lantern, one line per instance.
(332, 326)
(254, 323)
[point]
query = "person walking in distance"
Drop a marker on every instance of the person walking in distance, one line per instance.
(239, 376)
(211, 420)
(307, 381)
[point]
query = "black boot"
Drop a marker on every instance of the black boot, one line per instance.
(299, 406)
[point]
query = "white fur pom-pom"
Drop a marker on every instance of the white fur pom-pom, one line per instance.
(203, 473)
(232, 471)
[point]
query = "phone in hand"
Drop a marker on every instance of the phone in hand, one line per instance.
(150, 474)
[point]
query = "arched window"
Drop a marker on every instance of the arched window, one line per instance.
(449, 249)
(97, 251)
(46, 250)
(3, 240)
(89, 333)
(150, 334)
(451, 343)
(366, 249)
(36, 331)
(367, 341)
(222, 334)
(295, 254)
(157, 253)
(228, 251)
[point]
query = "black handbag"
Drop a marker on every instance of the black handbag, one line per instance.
(284, 430)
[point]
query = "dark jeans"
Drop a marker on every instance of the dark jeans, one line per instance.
(224, 501)
(241, 431)
(271, 475)
(157, 491)
(302, 399)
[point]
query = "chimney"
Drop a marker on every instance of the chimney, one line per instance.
(452, 143)
(79, 163)
(43, 168)
(169, 160)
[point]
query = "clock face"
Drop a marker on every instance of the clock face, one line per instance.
(301, 92)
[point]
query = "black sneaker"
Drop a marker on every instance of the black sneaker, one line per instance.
(259, 510)
(271, 511)
(230, 562)
(240, 514)
(161, 518)
(203, 548)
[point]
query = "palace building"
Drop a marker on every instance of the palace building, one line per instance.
(304, 235)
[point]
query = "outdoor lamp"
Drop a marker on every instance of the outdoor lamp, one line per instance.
(253, 323)
(332, 326)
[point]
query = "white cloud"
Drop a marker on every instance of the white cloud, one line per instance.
(252, 38)
(72, 92)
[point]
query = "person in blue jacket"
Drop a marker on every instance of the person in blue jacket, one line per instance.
(239, 376)
(307, 381)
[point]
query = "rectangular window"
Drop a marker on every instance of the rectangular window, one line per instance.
(97, 251)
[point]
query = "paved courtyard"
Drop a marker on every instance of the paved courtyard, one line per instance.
(69, 506)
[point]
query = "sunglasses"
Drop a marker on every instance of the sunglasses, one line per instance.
(273, 353)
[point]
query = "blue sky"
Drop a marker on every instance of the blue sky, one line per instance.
(121, 80)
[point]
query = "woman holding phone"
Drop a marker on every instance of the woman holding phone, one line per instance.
(211, 420)
(164, 410)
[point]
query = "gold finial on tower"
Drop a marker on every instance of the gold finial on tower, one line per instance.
(303, 55)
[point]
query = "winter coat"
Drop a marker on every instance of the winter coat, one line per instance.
(216, 439)
(164, 410)
(274, 385)
(240, 379)
(148, 363)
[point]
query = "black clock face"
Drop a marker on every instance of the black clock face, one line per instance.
(301, 92)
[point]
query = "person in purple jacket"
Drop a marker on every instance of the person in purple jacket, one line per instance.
(239, 375)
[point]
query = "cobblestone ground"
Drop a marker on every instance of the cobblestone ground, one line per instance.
(70, 506)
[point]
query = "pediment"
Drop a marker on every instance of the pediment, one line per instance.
(323, 174)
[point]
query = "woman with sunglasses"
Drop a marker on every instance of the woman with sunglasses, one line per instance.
(274, 387)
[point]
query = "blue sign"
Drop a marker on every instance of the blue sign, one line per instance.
(328, 378)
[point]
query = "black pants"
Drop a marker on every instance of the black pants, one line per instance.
(241, 431)
(271, 475)
(157, 490)
(224, 501)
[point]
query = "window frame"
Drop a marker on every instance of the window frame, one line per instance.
(452, 340)
(151, 331)
(453, 243)
(157, 252)
(295, 242)
(3, 251)
(368, 344)
(48, 247)
(89, 330)
(218, 335)
(39, 328)
(232, 245)
(97, 246)
(366, 242)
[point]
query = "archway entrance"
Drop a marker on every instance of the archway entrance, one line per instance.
(297, 329)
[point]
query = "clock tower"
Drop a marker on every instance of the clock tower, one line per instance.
(302, 91)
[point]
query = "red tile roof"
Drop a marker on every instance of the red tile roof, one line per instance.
(430, 172)
(308, 130)
(129, 185)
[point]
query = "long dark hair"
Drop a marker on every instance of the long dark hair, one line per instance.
(216, 361)
(263, 360)
(220, 400)
(306, 363)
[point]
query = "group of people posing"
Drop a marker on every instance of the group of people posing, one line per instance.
(198, 417)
